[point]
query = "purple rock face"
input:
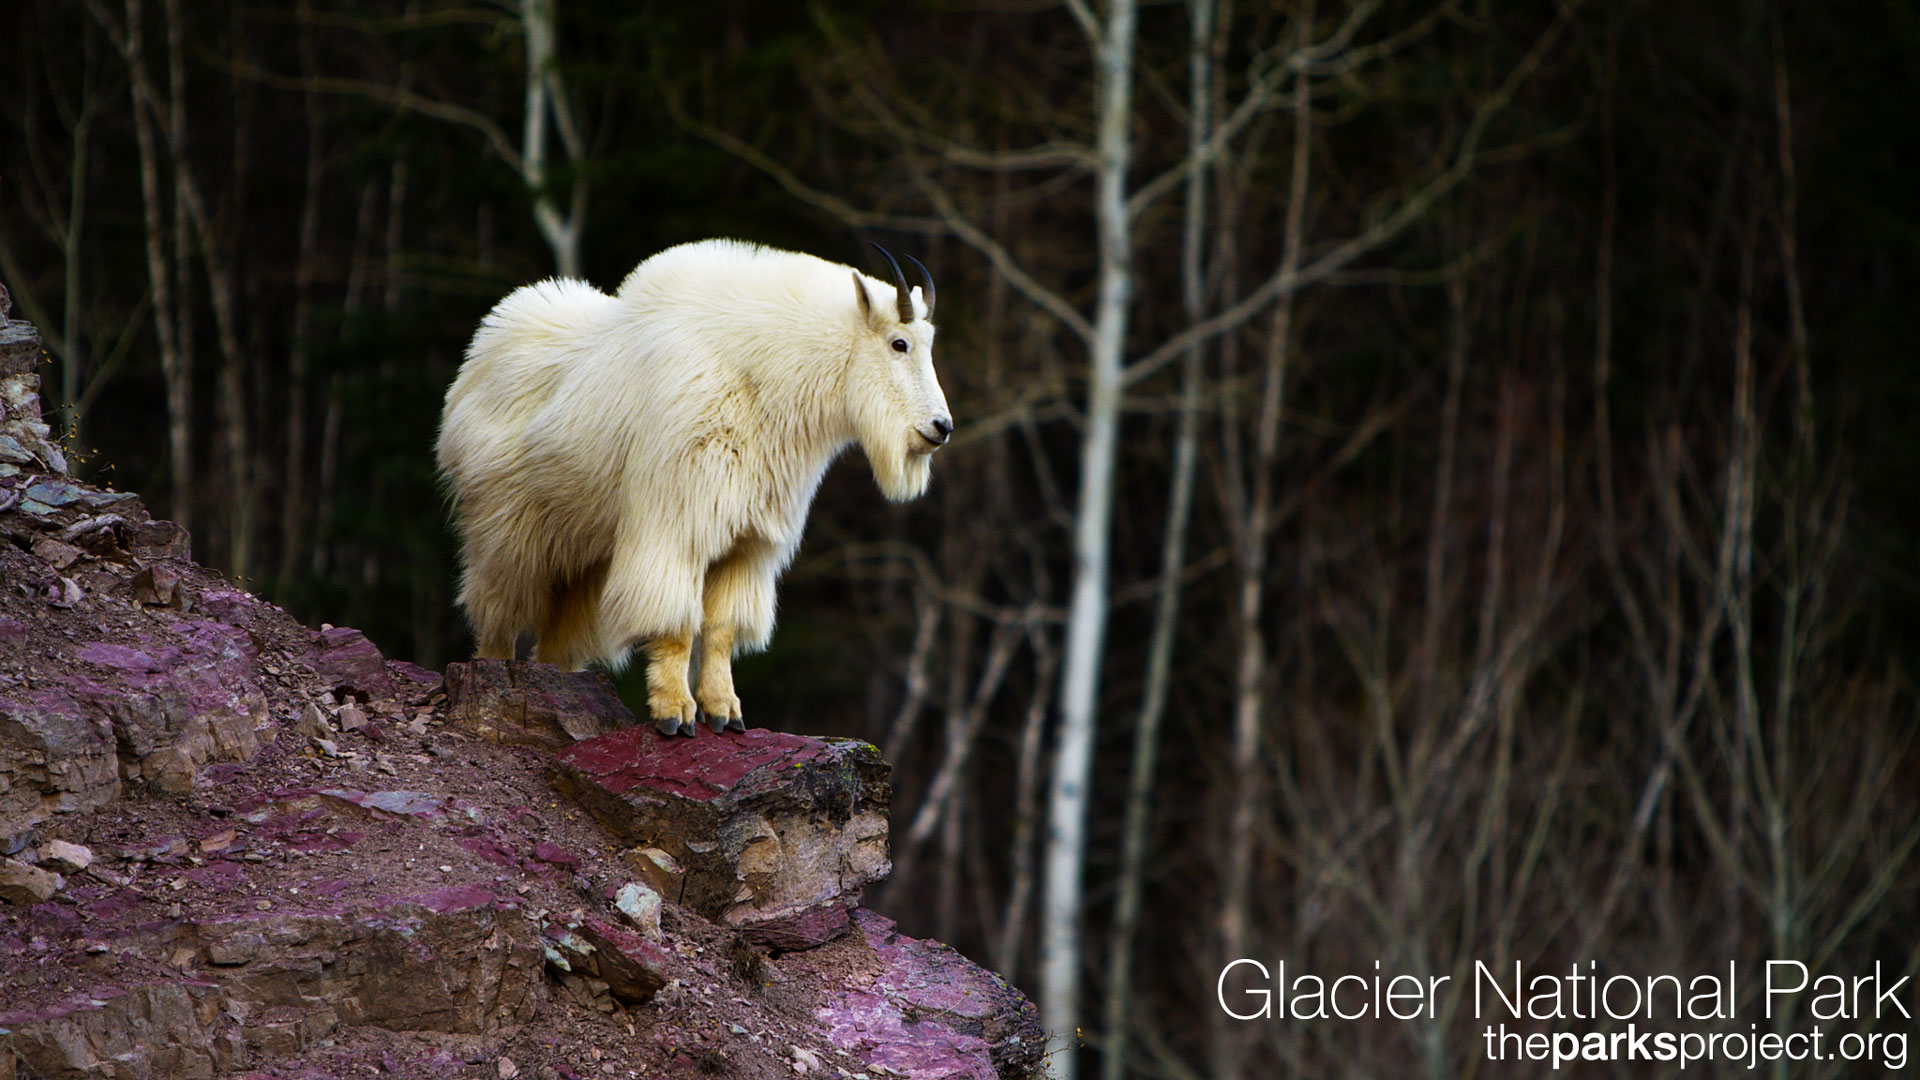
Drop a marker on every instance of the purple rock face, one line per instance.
(776, 834)
(803, 929)
(932, 1014)
(353, 663)
(55, 757)
(188, 697)
(99, 692)
(736, 766)
(454, 959)
(634, 968)
(413, 683)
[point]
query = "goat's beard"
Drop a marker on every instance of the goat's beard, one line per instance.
(901, 473)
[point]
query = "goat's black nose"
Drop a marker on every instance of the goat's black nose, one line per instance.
(943, 425)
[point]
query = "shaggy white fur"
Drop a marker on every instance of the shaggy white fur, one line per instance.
(636, 469)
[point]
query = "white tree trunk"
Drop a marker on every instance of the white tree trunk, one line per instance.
(561, 231)
(74, 358)
(175, 363)
(1146, 736)
(1060, 948)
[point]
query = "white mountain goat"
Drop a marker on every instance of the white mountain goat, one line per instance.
(633, 470)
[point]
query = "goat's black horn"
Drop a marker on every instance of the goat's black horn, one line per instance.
(899, 284)
(926, 283)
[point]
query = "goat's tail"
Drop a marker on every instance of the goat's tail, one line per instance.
(549, 311)
(512, 368)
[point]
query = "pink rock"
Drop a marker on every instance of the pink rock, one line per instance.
(774, 834)
(549, 852)
(804, 929)
(229, 605)
(735, 766)
(413, 683)
(454, 960)
(491, 850)
(633, 968)
(352, 663)
(931, 1013)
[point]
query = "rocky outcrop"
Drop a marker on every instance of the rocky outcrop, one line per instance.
(931, 1012)
(534, 704)
(280, 983)
(231, 844)
(25, 440)
(775, 834)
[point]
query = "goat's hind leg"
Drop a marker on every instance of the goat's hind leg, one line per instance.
(498, 611)
(571, 635)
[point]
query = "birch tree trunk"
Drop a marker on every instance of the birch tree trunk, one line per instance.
(194, 220)
(175, 364)
(293, 506)
(72, 363)
(170, 120)
(1146, 736)
(545, 96)
(1060, 947)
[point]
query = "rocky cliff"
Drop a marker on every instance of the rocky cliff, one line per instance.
(231, 844)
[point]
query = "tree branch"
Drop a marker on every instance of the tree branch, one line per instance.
(785, 177)
(1002, 260)
(398, 98)
(1384, 229)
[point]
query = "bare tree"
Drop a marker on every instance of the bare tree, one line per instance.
(545, 103)
(294, 508)
(1202, 49)
(1254, 529)
(176, 362)
(547, 97)
(56, 199)
(1111, 36)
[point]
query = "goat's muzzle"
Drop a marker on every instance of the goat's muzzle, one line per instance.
(942, 431)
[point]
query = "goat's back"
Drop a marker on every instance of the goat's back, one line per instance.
(516, 361)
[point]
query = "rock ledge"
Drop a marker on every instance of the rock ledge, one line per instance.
(232, 845)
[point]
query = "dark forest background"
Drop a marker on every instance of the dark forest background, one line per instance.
(1539, 491)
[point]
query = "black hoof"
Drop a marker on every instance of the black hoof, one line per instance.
(667, 725)
(736, 723)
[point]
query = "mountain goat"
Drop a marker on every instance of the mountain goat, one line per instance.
(635, 469)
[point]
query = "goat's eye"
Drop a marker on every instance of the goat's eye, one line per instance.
(900, 344)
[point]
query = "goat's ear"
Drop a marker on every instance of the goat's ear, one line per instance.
(866, 302)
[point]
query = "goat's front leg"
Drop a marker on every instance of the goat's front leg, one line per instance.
(650, 598)
(716, 695)
(738, 614)
(672, 707)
